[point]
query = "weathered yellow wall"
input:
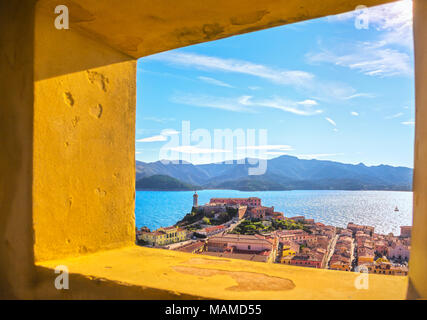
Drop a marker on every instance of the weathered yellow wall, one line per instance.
(143, 27)
(183, 275)
(16, 137)
(84, 133)
(418, 261)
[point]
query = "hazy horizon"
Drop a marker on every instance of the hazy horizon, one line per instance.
(235, 160)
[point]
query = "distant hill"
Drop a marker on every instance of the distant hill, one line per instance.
(183, 171)
(162, 182)
(283, 173)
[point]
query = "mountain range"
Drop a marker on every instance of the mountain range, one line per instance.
(283, 173)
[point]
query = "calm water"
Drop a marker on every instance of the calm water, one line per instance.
(156, 209)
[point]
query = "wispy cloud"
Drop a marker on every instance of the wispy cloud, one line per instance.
(368, 58)
(382, 57)
(318, 155)
(299, 79)
(409, 122)
(308, 102)
(276, 153)
(331, 121)
(163, 136)
(354, 113)
(156, 138)
(394, 116)
(395, 19)
(276, 147)
(157, 119)
(215, 82)
(249, 104)
(302, 108)
(203, 62)
(197, 150)
(169, 132)
(204, 101)
(360, 95)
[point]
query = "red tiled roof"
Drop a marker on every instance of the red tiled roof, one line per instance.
(191, 247)
(169, 228)
(210, 229)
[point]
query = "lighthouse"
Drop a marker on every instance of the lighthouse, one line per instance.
(195, 199)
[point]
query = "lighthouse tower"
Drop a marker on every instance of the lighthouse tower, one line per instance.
(195, 200)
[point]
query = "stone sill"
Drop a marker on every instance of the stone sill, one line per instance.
(144, 273)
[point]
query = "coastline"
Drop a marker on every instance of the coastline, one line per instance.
(161, 208)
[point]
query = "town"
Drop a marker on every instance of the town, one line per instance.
(242, 228)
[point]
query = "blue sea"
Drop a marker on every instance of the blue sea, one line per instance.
(156, 209)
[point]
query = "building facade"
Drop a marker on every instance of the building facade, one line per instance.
(164, 236)
(250, 202)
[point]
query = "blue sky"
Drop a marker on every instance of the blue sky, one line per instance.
(322, 89)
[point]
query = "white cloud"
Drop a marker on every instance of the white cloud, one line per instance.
(275, 153)
(332, 90)
(331, 121)
(368, 58)
(244, 100)
(353, 113)
(308, 102)
(197, 150)
(156, 138)
(395, 19)
(160, 120)
(169, 132)
(382, 57)
(215, 82)
(299, 79)
(394, 116)
(287, 77)
(318, 155)
(408, 123)
(163, 136)
(203, 101)
(281, 147)
(301, 108)
(248, 104)
(360, 95)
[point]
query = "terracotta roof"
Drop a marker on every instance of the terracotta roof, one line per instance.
(168, 228)
(241, 237)
(242, 256)
(191, 247)
(209, 229)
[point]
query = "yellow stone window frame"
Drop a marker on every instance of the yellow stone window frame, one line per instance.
(67, 166)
